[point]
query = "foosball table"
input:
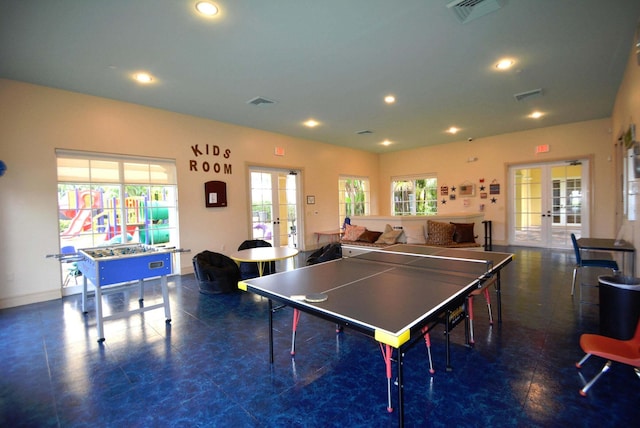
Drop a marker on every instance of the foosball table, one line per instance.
(117, 267)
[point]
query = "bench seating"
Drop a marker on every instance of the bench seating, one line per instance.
(468, 228)
(383, 245)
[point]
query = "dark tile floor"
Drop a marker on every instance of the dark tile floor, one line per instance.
(210, 366)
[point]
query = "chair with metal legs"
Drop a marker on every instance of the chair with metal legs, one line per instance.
(620, 351)
(588, 263)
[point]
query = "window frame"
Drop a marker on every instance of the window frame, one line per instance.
(431, 187)
(143, 190)
(357, 208)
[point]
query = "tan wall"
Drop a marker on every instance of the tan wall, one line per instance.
(626, 112)
(495, 154)
(35, 120)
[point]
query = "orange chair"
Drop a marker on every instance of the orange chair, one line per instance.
(621, 351)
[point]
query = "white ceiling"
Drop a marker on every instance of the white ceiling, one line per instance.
(332, 60)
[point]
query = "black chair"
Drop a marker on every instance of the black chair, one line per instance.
(585, 263)
(324, 254)
(250, 270)
(216, 273)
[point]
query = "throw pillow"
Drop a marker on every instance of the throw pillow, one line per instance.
(463, 232)
(439, 233)
(390, 236)
(369, 236)
(352, 232)
(415, 234)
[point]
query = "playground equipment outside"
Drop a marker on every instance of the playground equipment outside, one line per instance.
(89, 218)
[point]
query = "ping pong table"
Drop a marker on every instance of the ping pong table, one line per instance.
(395, 295)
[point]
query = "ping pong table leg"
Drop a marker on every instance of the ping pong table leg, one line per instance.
(498, 296)
(487, 297)
(294, 328)
(270, 331)
(400, 388)
(470, 340)
(447, 334)
(386, 355)
(427, 342)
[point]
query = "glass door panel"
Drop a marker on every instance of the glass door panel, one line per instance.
(548, 201)
(527, 211)
(274, 206)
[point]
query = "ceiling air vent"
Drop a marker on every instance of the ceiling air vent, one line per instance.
(468, 10)
(364, 132)
(258, 101)
(522, 96)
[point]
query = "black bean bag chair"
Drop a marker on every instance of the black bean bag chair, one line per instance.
(324, 254)
(250, 270)
(216, 273)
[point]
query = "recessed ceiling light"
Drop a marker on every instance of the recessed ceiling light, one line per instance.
(453, 130)
(311, 123)
(207, 8)
(505, 64)
(389, 99)
(143, 77)
(387, 143)
(536, 115)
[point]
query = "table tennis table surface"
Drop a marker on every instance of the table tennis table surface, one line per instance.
(387, 293)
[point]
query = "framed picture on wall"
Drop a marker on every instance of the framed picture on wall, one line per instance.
(467, 190)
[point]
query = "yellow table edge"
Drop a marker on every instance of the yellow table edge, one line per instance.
(391, 339)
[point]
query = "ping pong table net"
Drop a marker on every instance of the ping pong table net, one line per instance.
(450, 264)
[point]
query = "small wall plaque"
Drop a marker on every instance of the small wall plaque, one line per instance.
(215, 194)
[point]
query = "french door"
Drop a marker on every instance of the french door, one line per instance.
(550, 201)
(275, 206)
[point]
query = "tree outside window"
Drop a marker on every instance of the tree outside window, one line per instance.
(415, 196)
(353, 197)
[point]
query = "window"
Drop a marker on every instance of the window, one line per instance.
(104, 200)
(353, 197)
(414, 196)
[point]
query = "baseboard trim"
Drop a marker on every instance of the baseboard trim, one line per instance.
(29, 299)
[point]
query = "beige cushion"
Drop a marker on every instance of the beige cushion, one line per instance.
(439, 233)
(389, 236)
(415, 234)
